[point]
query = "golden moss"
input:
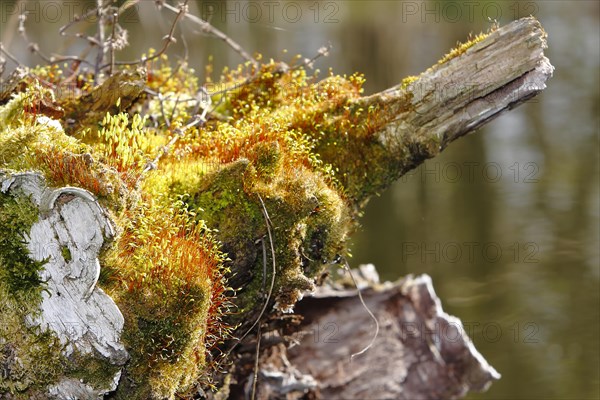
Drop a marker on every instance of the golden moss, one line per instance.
(300, 146)
(462, 47)
(30, 359)
(164, 273)
(406, 82)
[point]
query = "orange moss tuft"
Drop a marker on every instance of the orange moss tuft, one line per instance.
(64, 168)
(170, 270)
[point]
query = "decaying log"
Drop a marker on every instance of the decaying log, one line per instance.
(420, 352)
(70, 231)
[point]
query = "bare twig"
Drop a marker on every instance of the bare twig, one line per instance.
(114, 21)
(168, 39)
(179, 132)
(264, 277)
(208, 28)
(76, 19)
(186, 51)
(161, 101)
(22, 30)
(175, 107)
(308, 62)
(35, 49)
(198, 100)
(9, 55)
(100, 11)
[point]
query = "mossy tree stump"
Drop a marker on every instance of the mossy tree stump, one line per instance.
(225, 209)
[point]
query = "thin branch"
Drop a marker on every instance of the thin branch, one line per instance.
(207, 27)
(308, 62)
(168, 39)
(9, 55)
(264, 276)
(186, 51)
(76, 19)
(175, 107)
(115, 19)
(22, 30)
(101, 38)
(161, 101)
(179, 132)
(35, 49)
(92, 41)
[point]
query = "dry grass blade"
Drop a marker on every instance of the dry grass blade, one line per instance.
(347, 268)
(255, 376)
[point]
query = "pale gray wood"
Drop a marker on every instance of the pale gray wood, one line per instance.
(455, 98)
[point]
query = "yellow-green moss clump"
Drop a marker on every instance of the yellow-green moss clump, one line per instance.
(191, 223)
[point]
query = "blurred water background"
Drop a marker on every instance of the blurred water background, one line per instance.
(506, 221)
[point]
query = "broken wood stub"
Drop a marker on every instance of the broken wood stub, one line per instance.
(420, 353)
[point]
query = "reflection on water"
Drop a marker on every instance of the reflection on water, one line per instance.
(506, 221)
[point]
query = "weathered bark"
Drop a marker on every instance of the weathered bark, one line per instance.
(420, 352)
(419, 117)
(455, 97)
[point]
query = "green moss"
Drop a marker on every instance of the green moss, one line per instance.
(19, 272)
(94, 371)
(66, 253)
(283, 146)
(22, 134)
(30, 360)
(306, 148)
